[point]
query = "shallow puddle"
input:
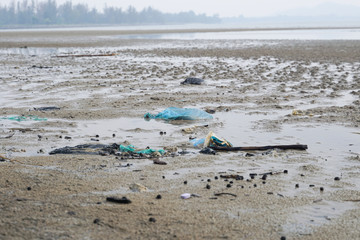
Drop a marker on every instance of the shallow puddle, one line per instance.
(307, 218)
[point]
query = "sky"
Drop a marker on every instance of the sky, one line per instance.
(223, 8)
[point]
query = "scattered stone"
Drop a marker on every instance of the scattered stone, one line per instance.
(159, 162)
(185, 182)
(208, 186)
(67, 137)
(71, 213)
(264, 177)
(136, 187)
(28, 188)
(337, 178)
(228, 185)
(297, 185)
(96, 221)
(152, 219)
(321, 189)
(285, 171)
(158, 196)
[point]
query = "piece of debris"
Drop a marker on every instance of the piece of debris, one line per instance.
(123, 200)
(185, 195)
(8, 136)
(193, 81)
(224, 193)
(43, 109)
(174, 113)
(87, 55)
(208, 151)
(260, 148)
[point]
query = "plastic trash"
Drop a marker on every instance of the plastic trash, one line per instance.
(212, 140)
(132, 149)
(185, 195)
(25, 118)
(174, 113)
(197, 142)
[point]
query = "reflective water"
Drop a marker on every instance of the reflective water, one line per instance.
(296, 34)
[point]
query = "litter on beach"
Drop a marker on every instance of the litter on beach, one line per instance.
(174, 113)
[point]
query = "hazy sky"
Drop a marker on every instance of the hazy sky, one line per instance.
(225, 8)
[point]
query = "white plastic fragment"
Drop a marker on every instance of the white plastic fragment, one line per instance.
(185, 195)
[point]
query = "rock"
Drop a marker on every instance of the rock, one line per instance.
(157, 161)
(136, 187)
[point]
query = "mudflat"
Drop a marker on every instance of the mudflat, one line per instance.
(65, 88)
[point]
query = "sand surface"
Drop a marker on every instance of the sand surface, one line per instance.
(263, 92)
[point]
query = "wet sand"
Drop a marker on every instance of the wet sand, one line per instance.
(253, 86)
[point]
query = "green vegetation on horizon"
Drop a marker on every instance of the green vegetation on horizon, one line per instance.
(47, 12)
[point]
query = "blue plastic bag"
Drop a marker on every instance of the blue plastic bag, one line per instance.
(174, 113)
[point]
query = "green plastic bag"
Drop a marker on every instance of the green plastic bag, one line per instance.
(132, 149)
(25, 118)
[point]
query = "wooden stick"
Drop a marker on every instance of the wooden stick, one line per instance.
(255, 148)
(87, 55)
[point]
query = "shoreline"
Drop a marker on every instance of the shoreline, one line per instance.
(253, 88)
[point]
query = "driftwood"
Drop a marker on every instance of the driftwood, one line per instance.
(86, 55)
(260, 148)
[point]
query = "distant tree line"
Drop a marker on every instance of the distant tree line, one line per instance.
(32, 12)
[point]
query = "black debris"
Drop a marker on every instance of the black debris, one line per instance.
(194, 81)
(123, 200)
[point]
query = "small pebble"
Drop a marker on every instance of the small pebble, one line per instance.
(158, 196)
(113, 135)
(208, 186)
(231, 182)
(209, 180)
(216, 177)
(263, 182)
(321, 189)
(185, 182)
(337, 179)
(152, 219)
(228, 185)
(283, 238)
(96, 221)
(161, 133)
(255, 185)
(28, 188)
(163, 177)
(264, 177)
(285, 171)
(311, 185)
(97, 136)
(296, 185)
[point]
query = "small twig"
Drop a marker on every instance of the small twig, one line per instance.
(9, 136)
(224, 193)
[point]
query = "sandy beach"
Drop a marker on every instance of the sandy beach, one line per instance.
(260, 92)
